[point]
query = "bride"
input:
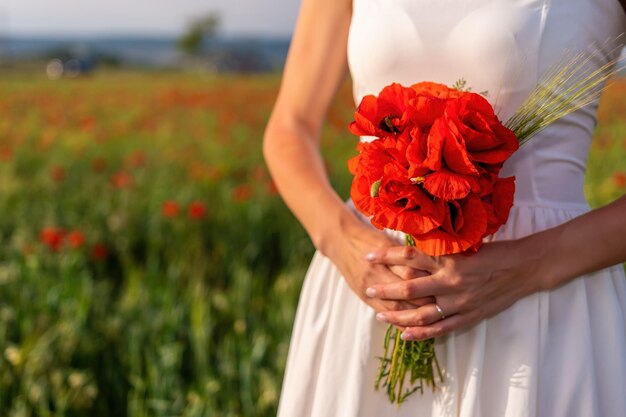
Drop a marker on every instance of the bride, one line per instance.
(532, 325)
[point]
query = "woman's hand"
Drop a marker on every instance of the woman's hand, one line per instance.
(351, 240)
(465, 289)
(468, 289)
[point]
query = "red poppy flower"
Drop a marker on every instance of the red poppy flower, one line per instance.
(6, 154)
(453, 152)
(449, 185)
(75, 239)
(397, 203)
(498, 204)
(52, 237)
(472, 121)
(196, 210)
(87, 123)
(383, 114)
(121, 179)
(423, 111)
(170, 209)
(442, 91)
(463, 229)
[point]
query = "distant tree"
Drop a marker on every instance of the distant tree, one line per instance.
(199, 31)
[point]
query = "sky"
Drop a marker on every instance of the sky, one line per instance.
(167, 17)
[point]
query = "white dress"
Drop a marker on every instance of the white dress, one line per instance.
(560, 353)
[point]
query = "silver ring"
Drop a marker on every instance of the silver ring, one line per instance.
(441, 313)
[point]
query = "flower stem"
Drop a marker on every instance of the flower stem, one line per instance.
(415, 358)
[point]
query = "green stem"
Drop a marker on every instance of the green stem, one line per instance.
(417, 357)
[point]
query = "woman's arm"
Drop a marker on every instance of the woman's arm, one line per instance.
(316, 65)
(470, 289)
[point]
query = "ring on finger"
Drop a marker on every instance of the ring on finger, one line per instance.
(440, 311)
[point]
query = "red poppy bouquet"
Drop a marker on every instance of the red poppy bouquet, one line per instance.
(432, 171)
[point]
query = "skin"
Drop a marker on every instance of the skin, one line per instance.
(401, 283)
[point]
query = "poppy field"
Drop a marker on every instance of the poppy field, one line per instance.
(147, 265)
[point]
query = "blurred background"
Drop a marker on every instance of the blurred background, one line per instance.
(238, 36)
(147, 265)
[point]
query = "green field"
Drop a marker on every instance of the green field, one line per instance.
(147, 265)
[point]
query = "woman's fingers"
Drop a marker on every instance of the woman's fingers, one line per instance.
(380, 275)
(407, 272)
(423, 316)
(438, 328)
(407, 290)
(403, 255)
(418, 302)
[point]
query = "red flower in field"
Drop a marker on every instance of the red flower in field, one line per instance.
(6, 154)
(196, 210)
(75, 239)
(58, 174)
(98, 164)
(170, 209)
(87, 123)
(99, 251)
(242, 193)
(619, 178)
(52, 237)
(121, 179)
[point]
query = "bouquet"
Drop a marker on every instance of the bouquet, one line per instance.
(432, 172)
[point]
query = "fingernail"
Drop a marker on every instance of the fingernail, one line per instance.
(381, 317)
(406, 336)
(371, 292)
(370, 256)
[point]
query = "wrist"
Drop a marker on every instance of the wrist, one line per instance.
(541, 270)
(333, 227)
